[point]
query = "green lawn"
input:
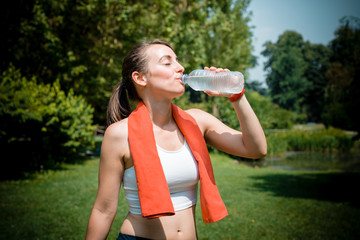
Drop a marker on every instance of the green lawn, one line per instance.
(262, 204)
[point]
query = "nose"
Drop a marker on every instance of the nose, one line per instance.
(179, 68)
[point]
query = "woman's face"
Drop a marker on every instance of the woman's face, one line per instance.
(164, 71)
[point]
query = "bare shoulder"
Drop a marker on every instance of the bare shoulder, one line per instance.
(117, 131)
(202, 118)
(198, 113)
(116, 139)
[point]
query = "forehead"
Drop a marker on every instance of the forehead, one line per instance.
(157, 51)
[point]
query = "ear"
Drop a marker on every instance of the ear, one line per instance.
(139, 79)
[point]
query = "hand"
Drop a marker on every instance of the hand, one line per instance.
(217, 93)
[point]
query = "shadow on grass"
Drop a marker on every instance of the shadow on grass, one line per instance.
(19, 169)
(334, 187)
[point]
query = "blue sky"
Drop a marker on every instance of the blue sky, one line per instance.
(315, 20)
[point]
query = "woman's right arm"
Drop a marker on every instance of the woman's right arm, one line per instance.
(111, 170)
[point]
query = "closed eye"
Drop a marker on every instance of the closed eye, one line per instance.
(167, 60)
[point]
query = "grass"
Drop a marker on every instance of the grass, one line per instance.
(262, 204)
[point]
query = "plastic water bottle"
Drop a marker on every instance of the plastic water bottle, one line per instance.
(227, 82)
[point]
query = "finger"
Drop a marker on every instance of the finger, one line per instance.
(212, 68)
(212, 93)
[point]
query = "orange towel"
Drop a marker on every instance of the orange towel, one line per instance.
(154, 193)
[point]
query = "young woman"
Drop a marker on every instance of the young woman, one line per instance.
(158, 130)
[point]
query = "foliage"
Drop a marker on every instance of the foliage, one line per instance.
(257, 86)
(317, 60)
(330, 140)
(277, 144)
(228, 37)
(321, 81)
(285, 79)
(296, 74)
(270, 115)
(83, 43)
(40, 125)
(342, 89)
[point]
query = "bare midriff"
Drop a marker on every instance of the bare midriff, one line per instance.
(180, 226)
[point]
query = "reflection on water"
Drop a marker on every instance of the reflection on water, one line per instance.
(313, 161)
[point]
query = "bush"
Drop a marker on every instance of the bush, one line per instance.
(269, 115)
(40, 125)
(277, 143)
(329, 139)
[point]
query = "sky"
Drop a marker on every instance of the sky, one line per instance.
(315, 20)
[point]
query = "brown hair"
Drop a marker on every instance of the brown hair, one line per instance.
(136, 60)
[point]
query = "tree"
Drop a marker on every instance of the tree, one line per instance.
(317, 58)
(257, 86)
(343, 87)
(55, 40)
(296, 74)
(228, 36)
(286, 68)
(82, 43)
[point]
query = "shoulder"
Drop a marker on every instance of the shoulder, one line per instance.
(117, 131)
(115, 144)
(203, 119)
(198, 114)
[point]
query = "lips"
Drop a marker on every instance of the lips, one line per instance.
(180, 80)
(180, 77)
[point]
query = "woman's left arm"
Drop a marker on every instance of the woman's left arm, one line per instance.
(253, 137)
(249, 143)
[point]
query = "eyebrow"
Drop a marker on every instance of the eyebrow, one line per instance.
(168, 57)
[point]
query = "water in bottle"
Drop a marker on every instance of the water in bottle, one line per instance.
(227, 82)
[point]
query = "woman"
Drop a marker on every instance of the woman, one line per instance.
(152, 75)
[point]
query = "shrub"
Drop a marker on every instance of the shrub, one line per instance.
(269, 115)
(277, 143)
(329, 139)
(40, 125)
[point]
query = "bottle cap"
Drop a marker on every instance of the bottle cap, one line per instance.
(184, 77)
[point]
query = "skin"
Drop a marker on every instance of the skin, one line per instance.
(157, 88)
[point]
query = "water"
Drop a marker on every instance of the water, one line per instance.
(313, 161)
(229, 82)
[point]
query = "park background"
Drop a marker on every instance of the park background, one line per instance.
(61, 59)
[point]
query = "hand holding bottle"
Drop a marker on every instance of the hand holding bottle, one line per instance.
(217, 93)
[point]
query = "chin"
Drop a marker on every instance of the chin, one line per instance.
(179, 93)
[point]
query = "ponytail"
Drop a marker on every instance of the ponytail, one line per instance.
(119, 106)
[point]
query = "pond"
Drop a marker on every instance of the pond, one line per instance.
(312, 161)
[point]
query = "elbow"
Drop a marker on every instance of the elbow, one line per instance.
(262, 149)
(258, 155)
(260, 152)
(107, 209)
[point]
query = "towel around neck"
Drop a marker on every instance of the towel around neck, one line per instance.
(154, 193)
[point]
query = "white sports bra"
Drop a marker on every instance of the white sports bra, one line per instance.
(182, 176)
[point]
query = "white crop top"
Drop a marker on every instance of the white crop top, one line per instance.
(182, 176)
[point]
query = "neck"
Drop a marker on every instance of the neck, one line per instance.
(160, 112)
